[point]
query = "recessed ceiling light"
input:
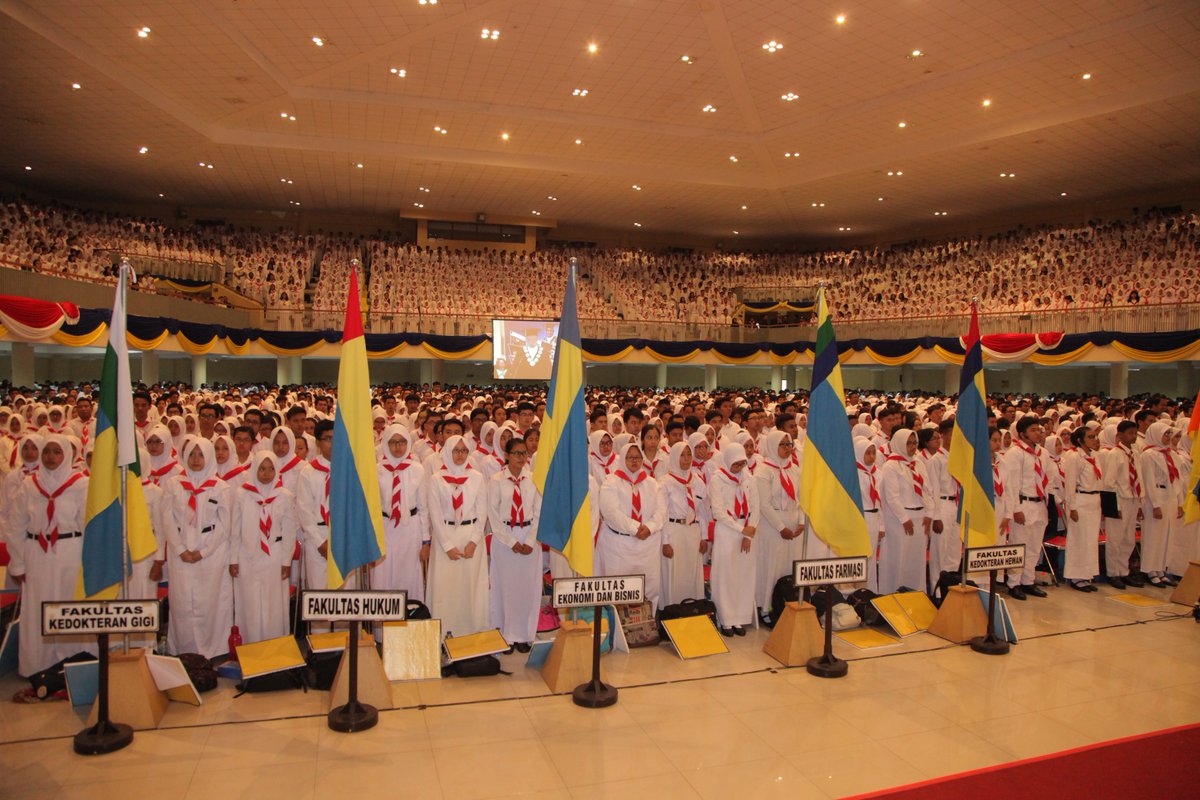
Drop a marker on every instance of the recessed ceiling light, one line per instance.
(843, 228)
(419, 205)
(880, 199)
(744, 208)
(580, 92)
(1062, 194)
(427, 2)
(76, 86)
(422, 189)
(160, 194)
(733, 159)
(840, 19)
(686, 59)
(637, 224)
(488, 33)
(318, 41)
(709, 109)
(440, 129)
(791, 155)
(210, 166)
(986, 103)
(358, 165)
(28, 168)
(789, 97)
(143, 150)
(536, 213)
(637, 188)
(143, 33)
(902, 124)
(294, 202)
(287, 116)
(735, 233)
(1087, 76)
(593, 48)
(772, 46)
(579, 141)
(504, 136)
(818, 205)
(399, 72)
(551, 197)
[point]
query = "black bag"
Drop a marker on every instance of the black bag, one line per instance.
(1109, 507)
(785, 591)
(478, 667)
(323, 668)
(684, 608)
(295, 678)
(417, 610)
(821, 596)
(945, 581)
(54, 679)
(200, 671)
(860, 601)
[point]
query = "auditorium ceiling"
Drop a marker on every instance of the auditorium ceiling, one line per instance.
(766, 117)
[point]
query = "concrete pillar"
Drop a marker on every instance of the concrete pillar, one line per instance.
(951, 375)
(199, 371)
(1118, 379)
(425, 371)
(150, 367)
(710, 377)
(776, 377)
(793, 378)
(23, 359)
(437, 368)
(1185, 379)
(660, 376)
(908, 380)
(1026, 377)
(287, 370)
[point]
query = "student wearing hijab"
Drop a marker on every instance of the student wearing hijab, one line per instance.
(1162, 507)
(177, 432)
(702, 464)
(1182, 548)
(402, 488)
(263, 524)
(514, 508)
(656, 460)
(28, 453)
(164, 462)
(633, 515)
(868, 486)
(1083, 483)
(1120, 463)
(14, 430)
(458, 575)
(484, 445)
(941, 494)
(601, 458)
(906, 519)
(779, 536)
(199, 548)
(283, 445)
(49, 516)
(733, 497)
(683, 542)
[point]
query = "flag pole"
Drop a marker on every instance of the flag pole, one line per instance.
(123, 288)
(965, 520)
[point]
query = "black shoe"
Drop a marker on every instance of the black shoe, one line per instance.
(738, 630)
(1116, 582)
(1036, 591)
(1159, 582)
(727, 632)
(522, 647)
(1083, 587)
(1016, 593)
(1136, 581)
(509, 651)
(1172, 580)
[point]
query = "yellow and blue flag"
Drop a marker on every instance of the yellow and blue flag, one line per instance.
(561, 473)
(970, 459)
(829, 490)
(1191, 504)
(355, 516)
(102, 575)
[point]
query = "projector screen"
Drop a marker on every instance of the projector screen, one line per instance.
(523, 349)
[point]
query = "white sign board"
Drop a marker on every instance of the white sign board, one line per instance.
(830, 571)
(610, 590)
(345, 606)
(1004, 556)
(99, 616)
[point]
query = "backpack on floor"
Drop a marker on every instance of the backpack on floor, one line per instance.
(199, 671)
(860, 601)
(684, 608)
(785, 592)
(477, 667)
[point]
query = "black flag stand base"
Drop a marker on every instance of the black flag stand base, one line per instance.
(595, 693)
(105, 736)
(989, 645)
(354, 716)
(826, 665)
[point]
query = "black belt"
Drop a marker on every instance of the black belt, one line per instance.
(322, 524)
(412, 512)
(1085, 491)
(524, 524)
(69, 535)
(679, 521)
(1160, 486)
(209, 529)
(870, 510)
(460, 524)
(919, 508)
(278, 538)
(955, 497)
(1025, 499)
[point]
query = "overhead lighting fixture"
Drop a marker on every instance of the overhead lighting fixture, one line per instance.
(686, 59)
(790, 96)
(143, 33)
(488, 33)
(1087, 76)
(840, 19)
(843, 228)
(160, 194)
(709, 109)
(637, 224)
(427, 2)
(76, 86)
(744, 208)
(419, 205)
(504, 136)
(285, 180)
(358, 165)
(637, 188)
(422, 189)
(440, 130)
(1062, 194)
(30, 169)
(293, 202)
(551, 197)
(580, 93)
(399, 72)
(916, 54)
(733, 159)
(735, 233)
(818, 205)
(579, 141)
(1008, 174)
(536, 213)
(593, 48)
(143, 150)
(772, 46)
(902, 124)
(940, 213)
(986, 103)
(287, 116)
(895, 173)
(791, 155)
(318, 41)
(880, 199)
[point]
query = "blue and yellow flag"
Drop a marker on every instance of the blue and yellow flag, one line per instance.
(355, 521)
(829, 491)
(561, 473)
(970, 459)
(1191, 503)
(102, 576)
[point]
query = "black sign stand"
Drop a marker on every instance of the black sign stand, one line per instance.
(989, 644)
(827, 665)
(354, 716)
(105, 736)
(595, 693)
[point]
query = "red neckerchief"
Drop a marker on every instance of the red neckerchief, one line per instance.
(517, 510)
(1042, 481)
(691, 500)
(397, 486)
(606, 464)
(741, 505)
(456, 499)
(870, 473)
(1091, 459)
(1172, 469)
(157, 475)
(264, 515)
(785, 480)
(233, 473)
(996, 478)
(918, 481)
(194, 492)
(319, 467)
(635, 493)
(295, 462)
(50, 521)
(84, 435)
(1134, 483)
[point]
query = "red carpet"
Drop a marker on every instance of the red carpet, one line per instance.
(1159, 764)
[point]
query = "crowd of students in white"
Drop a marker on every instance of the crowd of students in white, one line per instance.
(237, 484)
(1153, 258)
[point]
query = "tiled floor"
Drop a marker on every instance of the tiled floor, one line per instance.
(1088, 669)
